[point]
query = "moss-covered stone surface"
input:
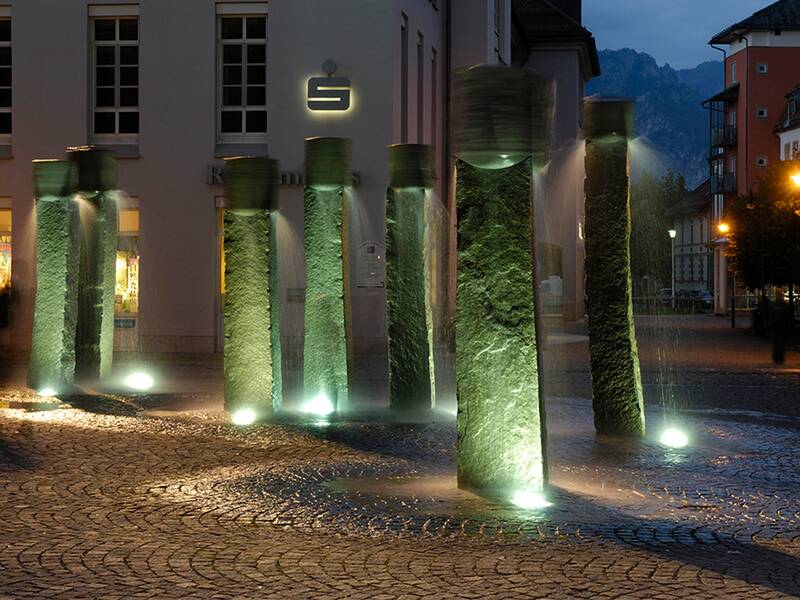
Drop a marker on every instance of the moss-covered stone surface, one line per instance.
(408, 312)
(247, 354)
(98, 242)
(52, 361)
(325, 341)
(500, 445)
(616, 379)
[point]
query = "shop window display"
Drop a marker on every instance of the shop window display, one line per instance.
(126, 300)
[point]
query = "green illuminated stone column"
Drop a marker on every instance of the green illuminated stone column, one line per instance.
(325, 354)
(250, 284)
(94, 340)
(616, 379)
(410, 332)
(52, 361)
(502, 130)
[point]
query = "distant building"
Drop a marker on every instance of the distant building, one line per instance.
(694, 257)
(788, 126)
(761, 60)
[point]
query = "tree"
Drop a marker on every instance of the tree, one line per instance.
(764, 241)
(651, 200)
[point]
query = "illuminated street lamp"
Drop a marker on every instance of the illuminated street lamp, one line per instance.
(795, 179)
(723, 228)
(673, 234)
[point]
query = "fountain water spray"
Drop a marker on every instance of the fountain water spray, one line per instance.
(325, 345)
(250, 365)
(410, 326)
(616, 379)
(502, 129)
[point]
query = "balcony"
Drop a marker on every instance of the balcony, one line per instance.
(723, 184)
(723, 137)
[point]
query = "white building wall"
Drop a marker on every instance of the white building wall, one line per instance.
(790, 144)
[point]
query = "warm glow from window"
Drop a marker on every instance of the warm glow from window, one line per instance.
(126, 288)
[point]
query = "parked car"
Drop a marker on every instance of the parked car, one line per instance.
(664, 297)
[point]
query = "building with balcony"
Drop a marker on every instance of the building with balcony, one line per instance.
(761, 57)
(693, 254)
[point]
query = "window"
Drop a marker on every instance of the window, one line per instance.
(115, 78)
(242, 77)
(762, 112)
(762, 68)
(787, 151)
(732, 118)
(761, 161)
(5, 78)
(734, 79)
(795, 150)
(404, 80)
(126, 298)
(5, 262)
(420, 88)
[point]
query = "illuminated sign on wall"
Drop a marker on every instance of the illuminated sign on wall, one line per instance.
(329, 93)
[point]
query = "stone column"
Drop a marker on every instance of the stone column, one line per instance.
(616, 379)
(52, 361)
(410, 327)
(325, 346)
(502, 127)
(250, 271)
(96, 172)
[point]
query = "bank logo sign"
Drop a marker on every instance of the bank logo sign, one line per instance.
(329, 93)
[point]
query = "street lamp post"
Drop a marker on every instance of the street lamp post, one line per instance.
(725, 229)
(673, 234)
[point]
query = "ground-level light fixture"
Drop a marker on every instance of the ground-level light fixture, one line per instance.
(321, 406)
(47, 392)
(243, 417)
(139, 381)
(529, 500)
(674, 438)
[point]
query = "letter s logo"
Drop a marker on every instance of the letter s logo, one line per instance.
(329, 93)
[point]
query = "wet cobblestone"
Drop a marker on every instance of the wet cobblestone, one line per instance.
(129, 505)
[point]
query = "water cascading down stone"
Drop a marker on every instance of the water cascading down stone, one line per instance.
(52, 361)
(616, 380)
(94, 338)
(325, 350)
(502, 129)
(410, 332)
(251, 359)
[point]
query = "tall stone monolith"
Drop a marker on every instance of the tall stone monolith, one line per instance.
(251, 194)
(325, 345)
(616, 379)
(410, 327)
(502, 122)
(52, 360)
(94, 340)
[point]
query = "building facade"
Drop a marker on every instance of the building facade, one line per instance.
(761, 57)
(173, 88)
(693, 253)
(788, 126)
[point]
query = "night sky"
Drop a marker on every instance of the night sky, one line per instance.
(673, 31)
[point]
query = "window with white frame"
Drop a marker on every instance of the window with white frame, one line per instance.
(115, 78)
(762, 68)
(242, 73)
(5, 78)
(762, 112)
(761, 161)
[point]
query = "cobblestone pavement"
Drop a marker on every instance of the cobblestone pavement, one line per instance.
(108, 498)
